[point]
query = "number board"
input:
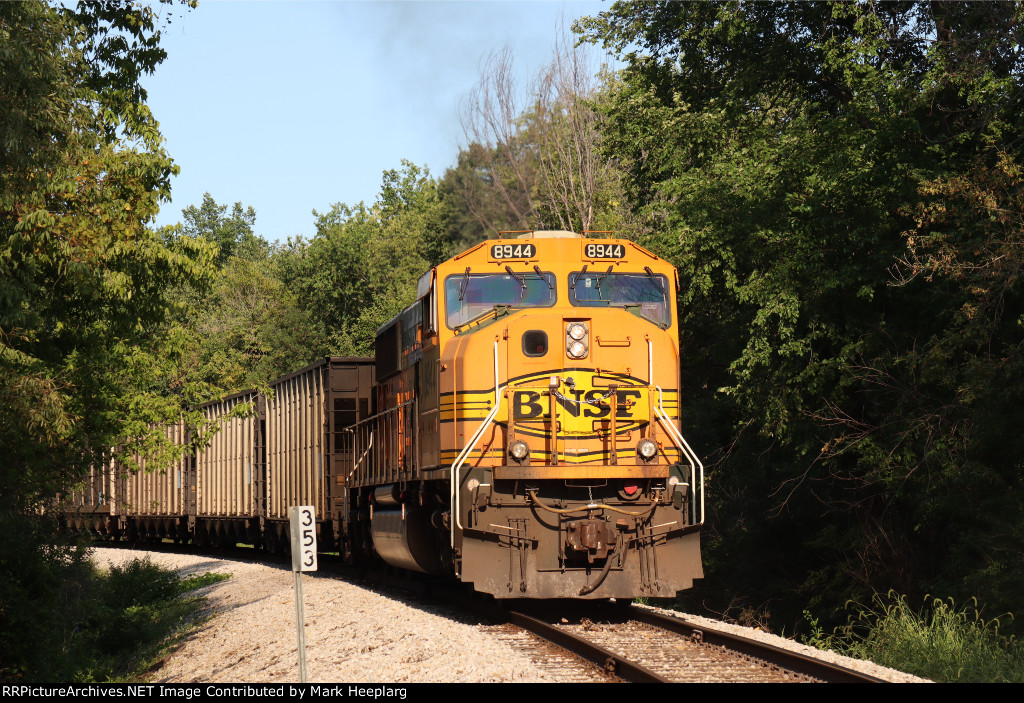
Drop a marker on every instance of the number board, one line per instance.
(506, 252)
(604, 251)
(303, 529)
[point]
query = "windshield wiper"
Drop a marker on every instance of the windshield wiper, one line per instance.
(578, 277)
(603, 276)
(514, 275)
(465, 282)
(655, 279)
(536, 268)
(496, 311)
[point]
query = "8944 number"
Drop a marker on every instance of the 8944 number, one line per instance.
(605, 251)
(513, 251)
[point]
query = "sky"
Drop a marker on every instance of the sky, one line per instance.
(290, 107)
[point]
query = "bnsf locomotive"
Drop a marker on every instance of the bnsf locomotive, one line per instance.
(517, 429)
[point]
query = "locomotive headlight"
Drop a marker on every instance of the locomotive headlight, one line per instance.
(576, 330)
(647, 449)
(577, 350)
(519, 450)
(577, 339)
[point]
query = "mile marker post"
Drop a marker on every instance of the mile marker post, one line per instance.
(303, 532)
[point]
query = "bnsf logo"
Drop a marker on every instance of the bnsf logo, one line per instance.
(530, 405)
(582, 407)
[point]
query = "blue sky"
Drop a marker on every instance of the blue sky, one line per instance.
(292, 106)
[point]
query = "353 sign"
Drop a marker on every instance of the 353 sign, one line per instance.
(303, 529)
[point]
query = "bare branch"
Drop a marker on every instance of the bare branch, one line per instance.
(490, 118)
(543, 160)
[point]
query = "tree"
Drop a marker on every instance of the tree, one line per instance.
(85, 349)
(362, 266)
(83, 174)
(577, 177)
(248, 328)
(498, 149)
(533, 158)
(839, 186)
(228, 233)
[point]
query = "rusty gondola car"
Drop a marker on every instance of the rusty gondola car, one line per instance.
(516, 429)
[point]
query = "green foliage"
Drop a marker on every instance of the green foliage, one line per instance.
(482, 208)
(534, 161)
(39, 582)
(89, 354)
(362, 266)
(194, 583)
(228, 233)
(244, 327)
(92, 626)
(272, 309)
(940, 641)
(254, 324)
(83, 280)
(489, 194)
(839, 185)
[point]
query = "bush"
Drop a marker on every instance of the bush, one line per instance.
(41, 588)
(67, 621)
(939, 642)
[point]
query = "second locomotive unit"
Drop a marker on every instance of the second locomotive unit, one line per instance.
(525, 432)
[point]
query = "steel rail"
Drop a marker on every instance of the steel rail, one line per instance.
(609, 661)
(784, 658)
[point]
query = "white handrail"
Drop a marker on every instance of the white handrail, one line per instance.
(684, 447)
(691, 456)
(369, 446)
(460, 460)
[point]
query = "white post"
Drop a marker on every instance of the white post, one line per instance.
(303, 533)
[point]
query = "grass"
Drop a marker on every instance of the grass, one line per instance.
(940, 641)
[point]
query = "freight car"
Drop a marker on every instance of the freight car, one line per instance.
(264, 454)
(516, 429)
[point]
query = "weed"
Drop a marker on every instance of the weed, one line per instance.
(194, 583)
(817, 638)
(940, 641)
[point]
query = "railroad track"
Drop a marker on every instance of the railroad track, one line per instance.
(638, 645)
(623, 642)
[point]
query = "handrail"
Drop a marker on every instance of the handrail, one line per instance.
(460, 460)
(364, 430)
(369, 446)
(352, 428)
(678, 438)
(688, 452)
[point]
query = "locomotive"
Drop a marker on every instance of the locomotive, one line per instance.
(517, 429)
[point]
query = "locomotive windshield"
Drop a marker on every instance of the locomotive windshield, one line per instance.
(470, 295)
(643, 294)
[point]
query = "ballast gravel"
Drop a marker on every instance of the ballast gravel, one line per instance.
(353, 633)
